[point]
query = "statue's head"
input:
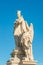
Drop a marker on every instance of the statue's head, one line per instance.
(18, 13)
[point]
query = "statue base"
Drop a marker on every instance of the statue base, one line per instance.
(24, 62)
(21, 62)
(16, 60)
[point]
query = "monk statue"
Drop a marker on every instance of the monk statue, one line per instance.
(24, 35)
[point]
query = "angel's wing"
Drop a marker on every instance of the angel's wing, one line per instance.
(31, 31)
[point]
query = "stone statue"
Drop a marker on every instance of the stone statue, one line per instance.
(24, 35)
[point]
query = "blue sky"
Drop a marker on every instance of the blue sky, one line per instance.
(32, 11)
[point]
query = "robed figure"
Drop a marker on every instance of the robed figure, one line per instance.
(24, 35)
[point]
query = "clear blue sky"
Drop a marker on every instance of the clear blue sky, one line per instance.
(32, 11)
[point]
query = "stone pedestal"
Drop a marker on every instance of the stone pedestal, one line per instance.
(28, 62)
(18, 62)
